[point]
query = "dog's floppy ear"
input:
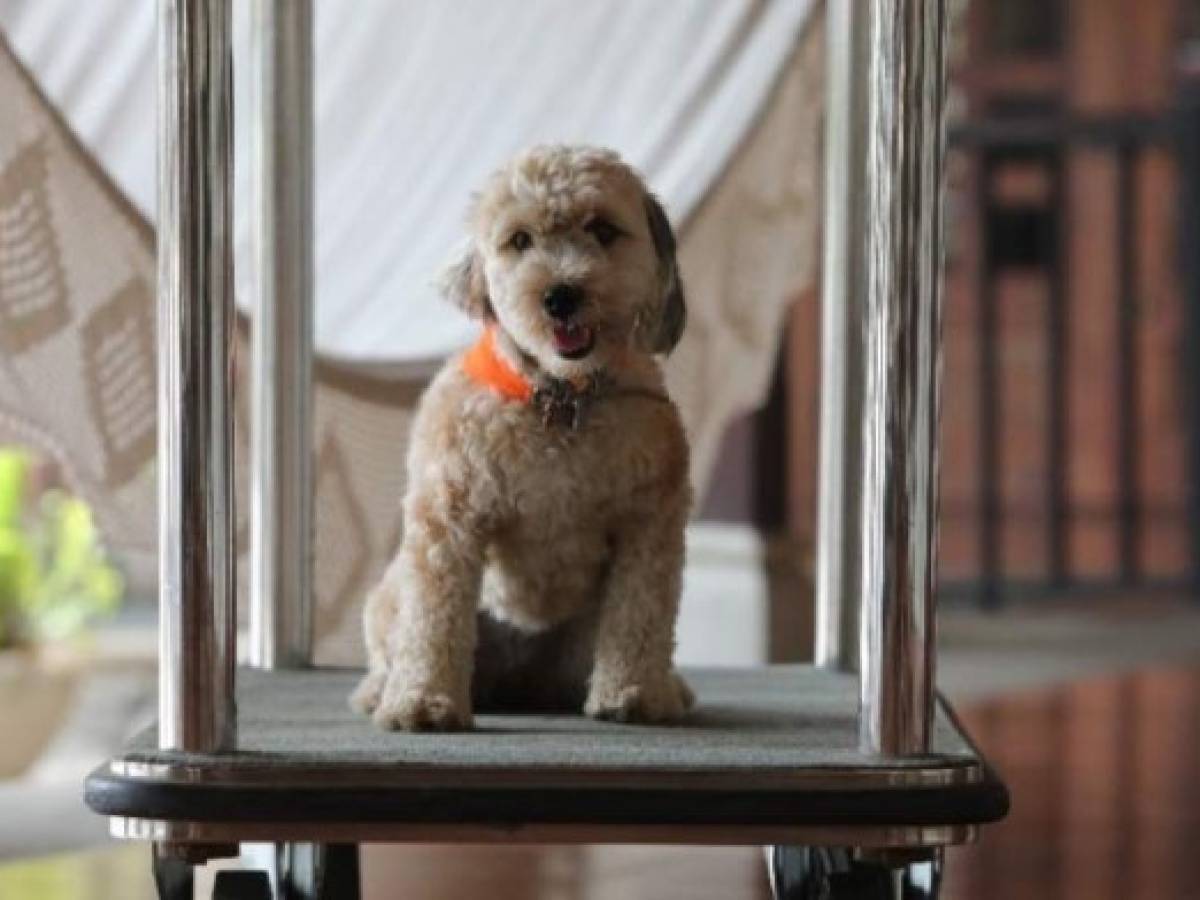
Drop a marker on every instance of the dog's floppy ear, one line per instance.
(464, 285)
(665, 324)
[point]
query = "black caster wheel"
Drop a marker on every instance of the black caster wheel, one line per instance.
(173, 876)
(837, 873)
(242, 885)
(302, 871)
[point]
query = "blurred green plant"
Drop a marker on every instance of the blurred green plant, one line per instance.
(55, 579)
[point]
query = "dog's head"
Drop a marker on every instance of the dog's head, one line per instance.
(574, 259)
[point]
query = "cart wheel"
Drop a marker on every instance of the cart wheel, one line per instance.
(302, 871)
(833, 873)
(172, 876)
(241, 885)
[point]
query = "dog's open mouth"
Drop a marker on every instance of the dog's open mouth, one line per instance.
(573, 341)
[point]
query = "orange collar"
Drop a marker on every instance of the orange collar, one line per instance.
(487, 367)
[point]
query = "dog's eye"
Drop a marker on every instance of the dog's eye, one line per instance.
(520, 241)
(604, 231)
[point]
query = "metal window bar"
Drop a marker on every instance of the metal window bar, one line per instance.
(899, 118)
(990, 402)
(1050, 140)
(1189, 240)
(1057, 353)
(1128, 506)
(990, 396)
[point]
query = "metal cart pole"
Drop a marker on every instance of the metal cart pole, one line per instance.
(195, 317)
(880, 361)
(281, 524)
(839, 504)
(900, 206)
(881, 345)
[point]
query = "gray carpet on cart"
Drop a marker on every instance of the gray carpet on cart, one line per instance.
(781, 717)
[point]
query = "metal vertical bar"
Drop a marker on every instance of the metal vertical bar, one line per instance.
(281, 365)
(1188, 166)
(839, 500)
(195, 314)
(1128, 501)
(1057, 356)
(990, 401)
(902, 337)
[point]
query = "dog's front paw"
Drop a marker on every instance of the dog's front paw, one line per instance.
(663, 699)
(420, 710)
(365, 698)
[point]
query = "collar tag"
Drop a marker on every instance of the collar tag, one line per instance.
(558, 402)
(561, 403)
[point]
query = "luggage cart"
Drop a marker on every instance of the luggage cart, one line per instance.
(852, 771)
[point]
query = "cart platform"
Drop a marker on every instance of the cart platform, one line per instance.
(767, 755)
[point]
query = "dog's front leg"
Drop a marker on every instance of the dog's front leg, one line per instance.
(633, 678)
(431, 641)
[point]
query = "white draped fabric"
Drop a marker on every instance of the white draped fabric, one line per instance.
(415, 102)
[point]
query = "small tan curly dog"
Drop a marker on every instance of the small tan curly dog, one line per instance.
(548, 473)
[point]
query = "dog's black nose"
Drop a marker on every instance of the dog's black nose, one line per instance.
(562, 300)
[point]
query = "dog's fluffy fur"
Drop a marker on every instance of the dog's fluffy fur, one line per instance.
(540, 565)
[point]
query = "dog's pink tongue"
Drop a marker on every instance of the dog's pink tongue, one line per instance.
(569, 338)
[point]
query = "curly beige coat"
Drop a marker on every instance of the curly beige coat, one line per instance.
(543, 534)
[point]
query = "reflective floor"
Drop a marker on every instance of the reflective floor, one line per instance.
(1105, 777)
